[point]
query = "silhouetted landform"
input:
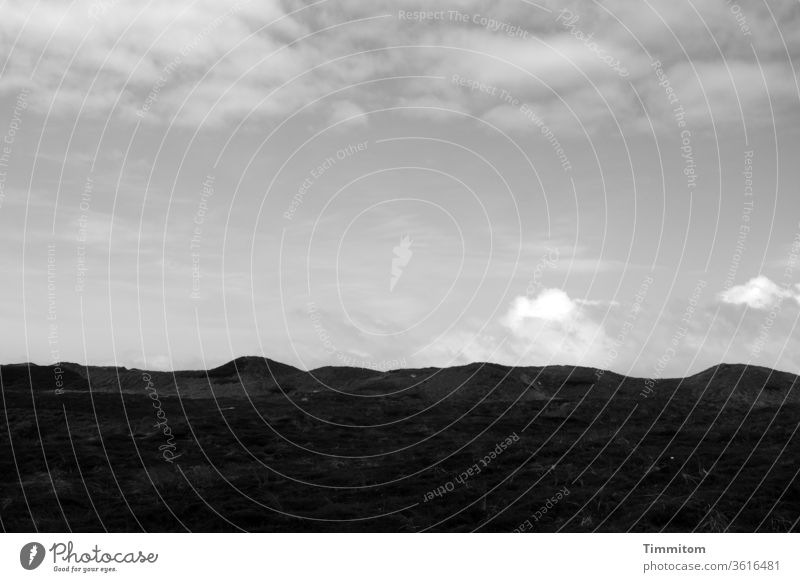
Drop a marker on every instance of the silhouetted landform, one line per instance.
(258, 445)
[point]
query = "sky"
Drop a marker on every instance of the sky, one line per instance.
(401, 184)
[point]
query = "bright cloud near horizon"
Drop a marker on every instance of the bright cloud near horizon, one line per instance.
(393, 184)
(760, 293)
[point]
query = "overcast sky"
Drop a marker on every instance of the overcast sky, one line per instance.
(609, 184)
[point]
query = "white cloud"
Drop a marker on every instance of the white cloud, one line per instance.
(550, 328)
(553, 328)
(759, 293)
(550, 305)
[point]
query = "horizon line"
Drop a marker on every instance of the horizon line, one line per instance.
(310, 370)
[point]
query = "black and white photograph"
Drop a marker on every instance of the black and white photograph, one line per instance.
(327, 267)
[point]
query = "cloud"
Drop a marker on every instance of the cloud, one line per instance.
(210, 63)
(549, 328)
(550, 305)
(759, 293)
(553, 326)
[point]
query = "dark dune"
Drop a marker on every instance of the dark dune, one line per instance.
(255, 444)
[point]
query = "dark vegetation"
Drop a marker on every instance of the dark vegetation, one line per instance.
(262, 446)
